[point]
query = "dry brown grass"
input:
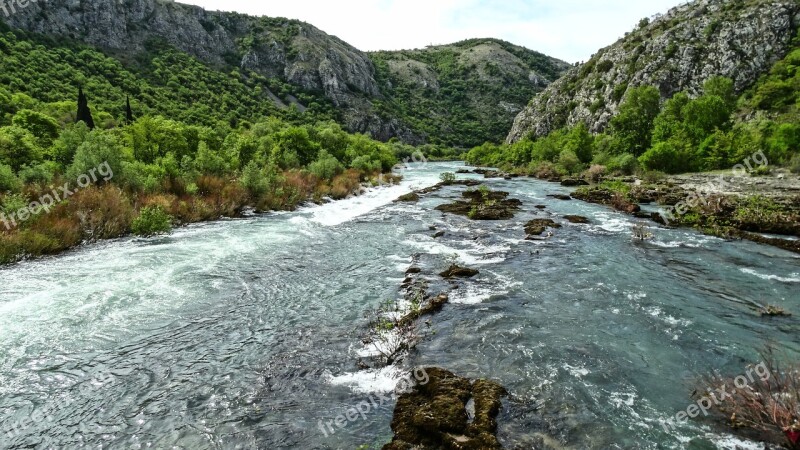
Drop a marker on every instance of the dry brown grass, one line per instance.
(768, 407)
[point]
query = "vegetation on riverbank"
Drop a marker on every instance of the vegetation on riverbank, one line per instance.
(715, 130)
(156, 168)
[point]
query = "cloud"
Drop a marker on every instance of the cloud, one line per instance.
(568, 29)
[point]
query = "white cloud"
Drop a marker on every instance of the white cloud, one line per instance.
(568, 29)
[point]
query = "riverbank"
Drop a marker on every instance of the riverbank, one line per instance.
(763, 209)
(103, 212)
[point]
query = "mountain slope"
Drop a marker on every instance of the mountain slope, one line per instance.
(468, 91)
(292, 62)
(678, 51)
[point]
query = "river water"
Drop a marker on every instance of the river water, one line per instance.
(245, 333)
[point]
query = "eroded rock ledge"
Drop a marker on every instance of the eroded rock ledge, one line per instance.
(439, 414)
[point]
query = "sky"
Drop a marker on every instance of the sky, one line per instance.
(571, 30)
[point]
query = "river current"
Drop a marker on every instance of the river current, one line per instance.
(245, 333)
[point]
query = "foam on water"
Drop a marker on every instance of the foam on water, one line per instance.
(793, 278)
(369, 381)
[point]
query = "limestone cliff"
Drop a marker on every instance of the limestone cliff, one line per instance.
(677, 51)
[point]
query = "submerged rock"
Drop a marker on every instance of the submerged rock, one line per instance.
(560, 197)
(455, 271)
(434, 415)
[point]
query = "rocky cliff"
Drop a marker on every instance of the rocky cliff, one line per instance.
(677, 51)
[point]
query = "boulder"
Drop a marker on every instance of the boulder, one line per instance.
(434, 414)
(455, 271)
(577, 219)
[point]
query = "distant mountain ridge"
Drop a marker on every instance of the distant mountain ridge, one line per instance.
(677, 51)
(366, 99)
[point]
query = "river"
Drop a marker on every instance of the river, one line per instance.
(244, 333)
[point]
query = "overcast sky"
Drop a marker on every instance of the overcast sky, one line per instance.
(568, 29)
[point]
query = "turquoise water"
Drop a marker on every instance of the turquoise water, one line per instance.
(245, 333)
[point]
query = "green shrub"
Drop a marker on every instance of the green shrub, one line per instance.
(326, 166)
(624, 164)
(152, 220)
(570, 162)
(8, 181)
(447, 177)
(40, 173)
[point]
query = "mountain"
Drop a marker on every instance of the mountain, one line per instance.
(301, 65)
(465, 93)
(677, 51)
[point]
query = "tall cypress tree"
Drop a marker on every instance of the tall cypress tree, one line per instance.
(84, 113)
(128, 111)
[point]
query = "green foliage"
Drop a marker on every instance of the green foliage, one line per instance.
(457, 95)
(447, 177)
(633, 125)
(40, 173)
(326, 166)
(152, 220)
(569, 161)
(18, 147)
(8, 181)
(624, 164)
(665, 157)
(99, 148)
(43, 127)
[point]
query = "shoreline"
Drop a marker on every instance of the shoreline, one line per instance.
(761, 209)
(241, 211)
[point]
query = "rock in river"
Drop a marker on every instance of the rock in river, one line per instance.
(434, 414)
(455, 271)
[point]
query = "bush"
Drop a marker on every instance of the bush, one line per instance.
(625, 164)
(594, 174)
(99, 148)
(8, 181)
(326, 166)
(40, 173)
(569, 161)
(253, 180)
(794, 164)
(665, 157)
(152, 220)
(447, 177)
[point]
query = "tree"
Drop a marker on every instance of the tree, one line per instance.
(18, 147)
(580, 142)
(128, 111)
(100, 148)
(633, 125)
(44, 128)
(84, 113)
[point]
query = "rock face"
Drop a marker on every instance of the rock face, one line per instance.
(435, 415)
(676, 51)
